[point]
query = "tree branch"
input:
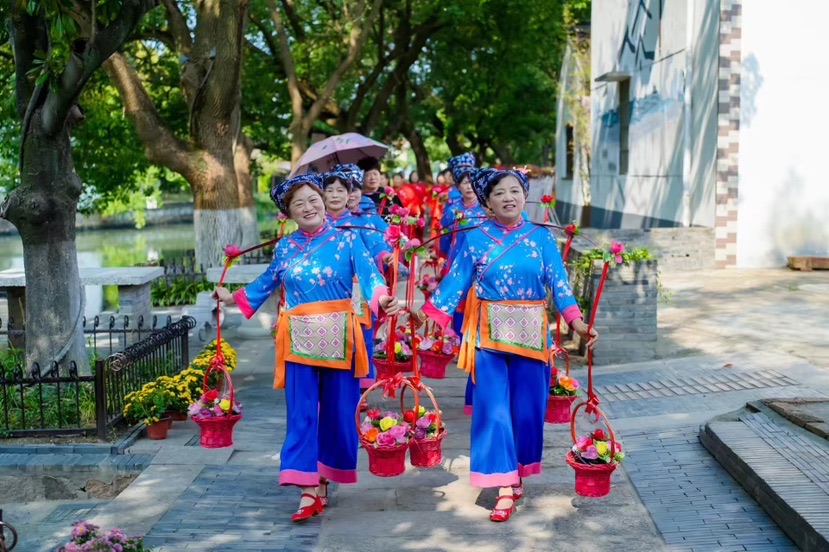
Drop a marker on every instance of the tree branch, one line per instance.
(82, 65)
(155, 35)
(287, 62)
(161, 146)
(178, 28)
(293, 20)
(28, 34)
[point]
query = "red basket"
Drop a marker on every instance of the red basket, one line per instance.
(558, 409)
(426, 453)
(385, 461)
(217, 432)
(592, 480)
(433, 365)
(387, 369)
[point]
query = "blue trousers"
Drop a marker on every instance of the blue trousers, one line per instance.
(321, 440)
(508, 423)
(457, 324)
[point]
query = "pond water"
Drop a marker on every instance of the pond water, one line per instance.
(105, 248)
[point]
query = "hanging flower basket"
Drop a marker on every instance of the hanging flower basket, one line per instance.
(558, 409)
(592, 480)
(433, 365)
(217, 419)
(387, 369)
(426, 453)
(385, 461)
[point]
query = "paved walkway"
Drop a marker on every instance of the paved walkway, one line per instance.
(728, 337)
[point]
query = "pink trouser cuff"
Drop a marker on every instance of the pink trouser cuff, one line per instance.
(529, 469)
(298, 478)
(571, 313)
(467, 409)
(374, 305)
(242, 302)
(337, 476)
(438, 315)
(494, 479)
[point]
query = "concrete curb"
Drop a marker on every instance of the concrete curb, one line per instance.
(770, 479)
(87, 448)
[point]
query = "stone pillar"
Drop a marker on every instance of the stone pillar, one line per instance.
(135, 301)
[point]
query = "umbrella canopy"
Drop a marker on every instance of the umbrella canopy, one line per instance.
(344, 148)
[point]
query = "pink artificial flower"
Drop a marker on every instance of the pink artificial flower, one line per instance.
(217, 410)
(425, 344)
(232, 251)
(389, 191)
(591, 453)
(421, 223)
(616, 249)
(398, 433)
(385, 440)
(583, 443)
(393, 234)
(448, 348)
(411, 244)
(366, 426)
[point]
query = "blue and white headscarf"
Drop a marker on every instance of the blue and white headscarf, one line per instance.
(351, 171)
(462, 165)
(484, 179)
(331, 177)
(279, 191)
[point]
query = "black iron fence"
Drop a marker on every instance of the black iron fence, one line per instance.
(60, 402)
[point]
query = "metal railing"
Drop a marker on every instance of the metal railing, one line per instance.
(62, 402)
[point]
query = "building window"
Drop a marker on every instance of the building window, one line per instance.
(569, 158)
(624, 125)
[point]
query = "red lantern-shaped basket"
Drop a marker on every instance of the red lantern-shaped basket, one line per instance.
(388, 367)
(592, 480)
(385, 461)
(558, 407)
(433, 365)
(217, 431)
(427, 453)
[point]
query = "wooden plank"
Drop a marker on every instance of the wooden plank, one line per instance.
(807, 264)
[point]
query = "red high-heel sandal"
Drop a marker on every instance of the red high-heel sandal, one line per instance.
(306, 512)
(518, 491)
(323, 499)
(502, 514)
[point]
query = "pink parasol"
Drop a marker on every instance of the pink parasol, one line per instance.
(344, 148)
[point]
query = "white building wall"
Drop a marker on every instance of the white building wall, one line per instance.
(635, 38)
(784, 188)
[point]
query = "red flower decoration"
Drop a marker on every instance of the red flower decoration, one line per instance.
(571, 230)
(421, 223)
(232, 251)
(547, 199)
(393, 234)
(599, 435)
(409, 416)
(211, 395)
(374, 414)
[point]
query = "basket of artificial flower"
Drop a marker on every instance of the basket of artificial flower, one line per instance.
(385, 436)
(436, 352)
(564, 391)
(217, 411)
(388, 364)
(428, 284)
(425, 449)
(594, 457)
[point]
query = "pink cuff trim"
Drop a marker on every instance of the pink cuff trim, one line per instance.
(467, 410)
(571, 313)
(529, 469)
(242, 302)
(494, 479)
(437, 315)
(337, 476)
(298, 478)
(380, 257)
(374, 305)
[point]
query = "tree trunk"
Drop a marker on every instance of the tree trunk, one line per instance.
(424, 169)
(43, 210)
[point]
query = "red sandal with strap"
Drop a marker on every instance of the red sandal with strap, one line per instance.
(518, 490)
(324, 485)
(502, 514)
(306, 512)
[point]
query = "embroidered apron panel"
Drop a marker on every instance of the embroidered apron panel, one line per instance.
(357, 299)
(516, 325)
(319, 336)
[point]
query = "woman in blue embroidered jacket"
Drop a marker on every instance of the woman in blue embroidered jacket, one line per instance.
(319, 346)
(512, 264)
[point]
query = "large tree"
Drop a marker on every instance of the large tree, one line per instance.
(211, 152)
(57, 49)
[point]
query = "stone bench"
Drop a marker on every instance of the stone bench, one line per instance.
(133, 288)
(262, 323)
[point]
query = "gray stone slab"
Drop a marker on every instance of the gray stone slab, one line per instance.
(114, 276)
(172, 455)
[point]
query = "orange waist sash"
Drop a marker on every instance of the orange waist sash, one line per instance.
(516, 327)
(324, 334)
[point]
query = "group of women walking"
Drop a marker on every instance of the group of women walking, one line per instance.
(499, 270)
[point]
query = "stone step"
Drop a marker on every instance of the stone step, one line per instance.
(783, 467)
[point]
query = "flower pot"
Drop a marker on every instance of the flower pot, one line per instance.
(558, 409)
(177, 416)
(426, 453)
(386, 369)
(592, 480)
(385, 461)
(433, 365)
(217, 432)
(158, 430)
